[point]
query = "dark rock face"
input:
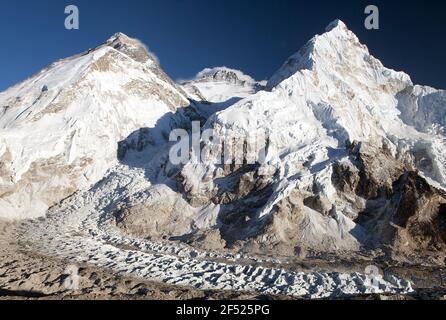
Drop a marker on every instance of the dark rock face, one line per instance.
(378, 169)
(137, 142)
(420, 216)
(403, 211)
(369, 174)
(228, 76)
(318, 204)
(345, 177)
(240, 193)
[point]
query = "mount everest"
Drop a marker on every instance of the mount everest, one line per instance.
(60, 128)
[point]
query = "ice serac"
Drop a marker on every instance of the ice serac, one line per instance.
(326, 111)
(60, 128)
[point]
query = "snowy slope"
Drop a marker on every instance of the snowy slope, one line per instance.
(59, 129)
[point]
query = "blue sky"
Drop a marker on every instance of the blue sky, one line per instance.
(255, 36)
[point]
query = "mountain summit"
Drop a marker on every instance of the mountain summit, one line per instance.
(335, 52)
(60, 128)
(131, 47)
(336, 24)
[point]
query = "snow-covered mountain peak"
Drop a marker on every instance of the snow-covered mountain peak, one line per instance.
(336, 24)
(133, 48)
(49, 123)
(120, 36)
(339, 54)
(220, 84)
(224, 74)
